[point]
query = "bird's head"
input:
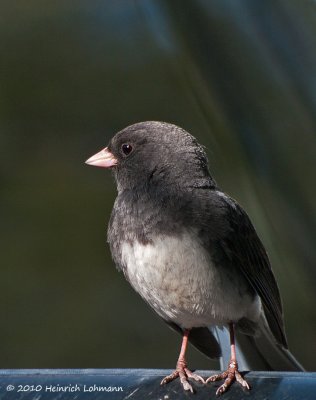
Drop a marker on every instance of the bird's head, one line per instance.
(151, 153)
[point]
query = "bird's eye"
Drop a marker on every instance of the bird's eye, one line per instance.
(126, 148)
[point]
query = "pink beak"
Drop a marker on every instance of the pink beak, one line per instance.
(104, 159)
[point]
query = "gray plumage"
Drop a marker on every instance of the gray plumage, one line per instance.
(189, 249)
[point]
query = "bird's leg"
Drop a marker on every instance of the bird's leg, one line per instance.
(181, 370)
(232, 373)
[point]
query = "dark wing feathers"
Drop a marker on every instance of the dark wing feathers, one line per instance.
(202, 339)
(245, 250)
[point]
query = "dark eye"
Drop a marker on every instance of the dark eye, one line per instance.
(126, 148)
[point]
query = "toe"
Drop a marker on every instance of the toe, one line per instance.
(212, 378)
(222, 389)
(186, 386)
(230, 376)
(183, 374)
(184, 381)
(169, 378)
(241, 380)
(217, 377)
(196, 377)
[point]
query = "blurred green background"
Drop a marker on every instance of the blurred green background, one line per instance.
(239, 75)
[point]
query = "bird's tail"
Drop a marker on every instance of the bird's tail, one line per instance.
(260, 352)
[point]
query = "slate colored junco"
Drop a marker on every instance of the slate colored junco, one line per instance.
(191, 252)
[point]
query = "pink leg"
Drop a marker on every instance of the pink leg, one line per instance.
(232, 373)
(181, 370)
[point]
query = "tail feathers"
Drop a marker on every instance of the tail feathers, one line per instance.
(259, 353)
(254, 353)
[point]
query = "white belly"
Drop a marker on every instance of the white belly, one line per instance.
(177, 278)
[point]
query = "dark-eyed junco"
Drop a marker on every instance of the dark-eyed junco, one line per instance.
(191, 251)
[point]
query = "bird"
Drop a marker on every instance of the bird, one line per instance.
(192, 253)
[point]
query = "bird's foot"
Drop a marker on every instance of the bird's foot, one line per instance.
(183, 373)
(230, 375)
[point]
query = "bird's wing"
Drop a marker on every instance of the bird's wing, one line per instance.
(243, 248)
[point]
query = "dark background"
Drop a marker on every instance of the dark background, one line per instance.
(239, 75)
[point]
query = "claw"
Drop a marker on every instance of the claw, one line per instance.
(183, 373)
(230, 375)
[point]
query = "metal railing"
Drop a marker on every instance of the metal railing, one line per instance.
(108, 384)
